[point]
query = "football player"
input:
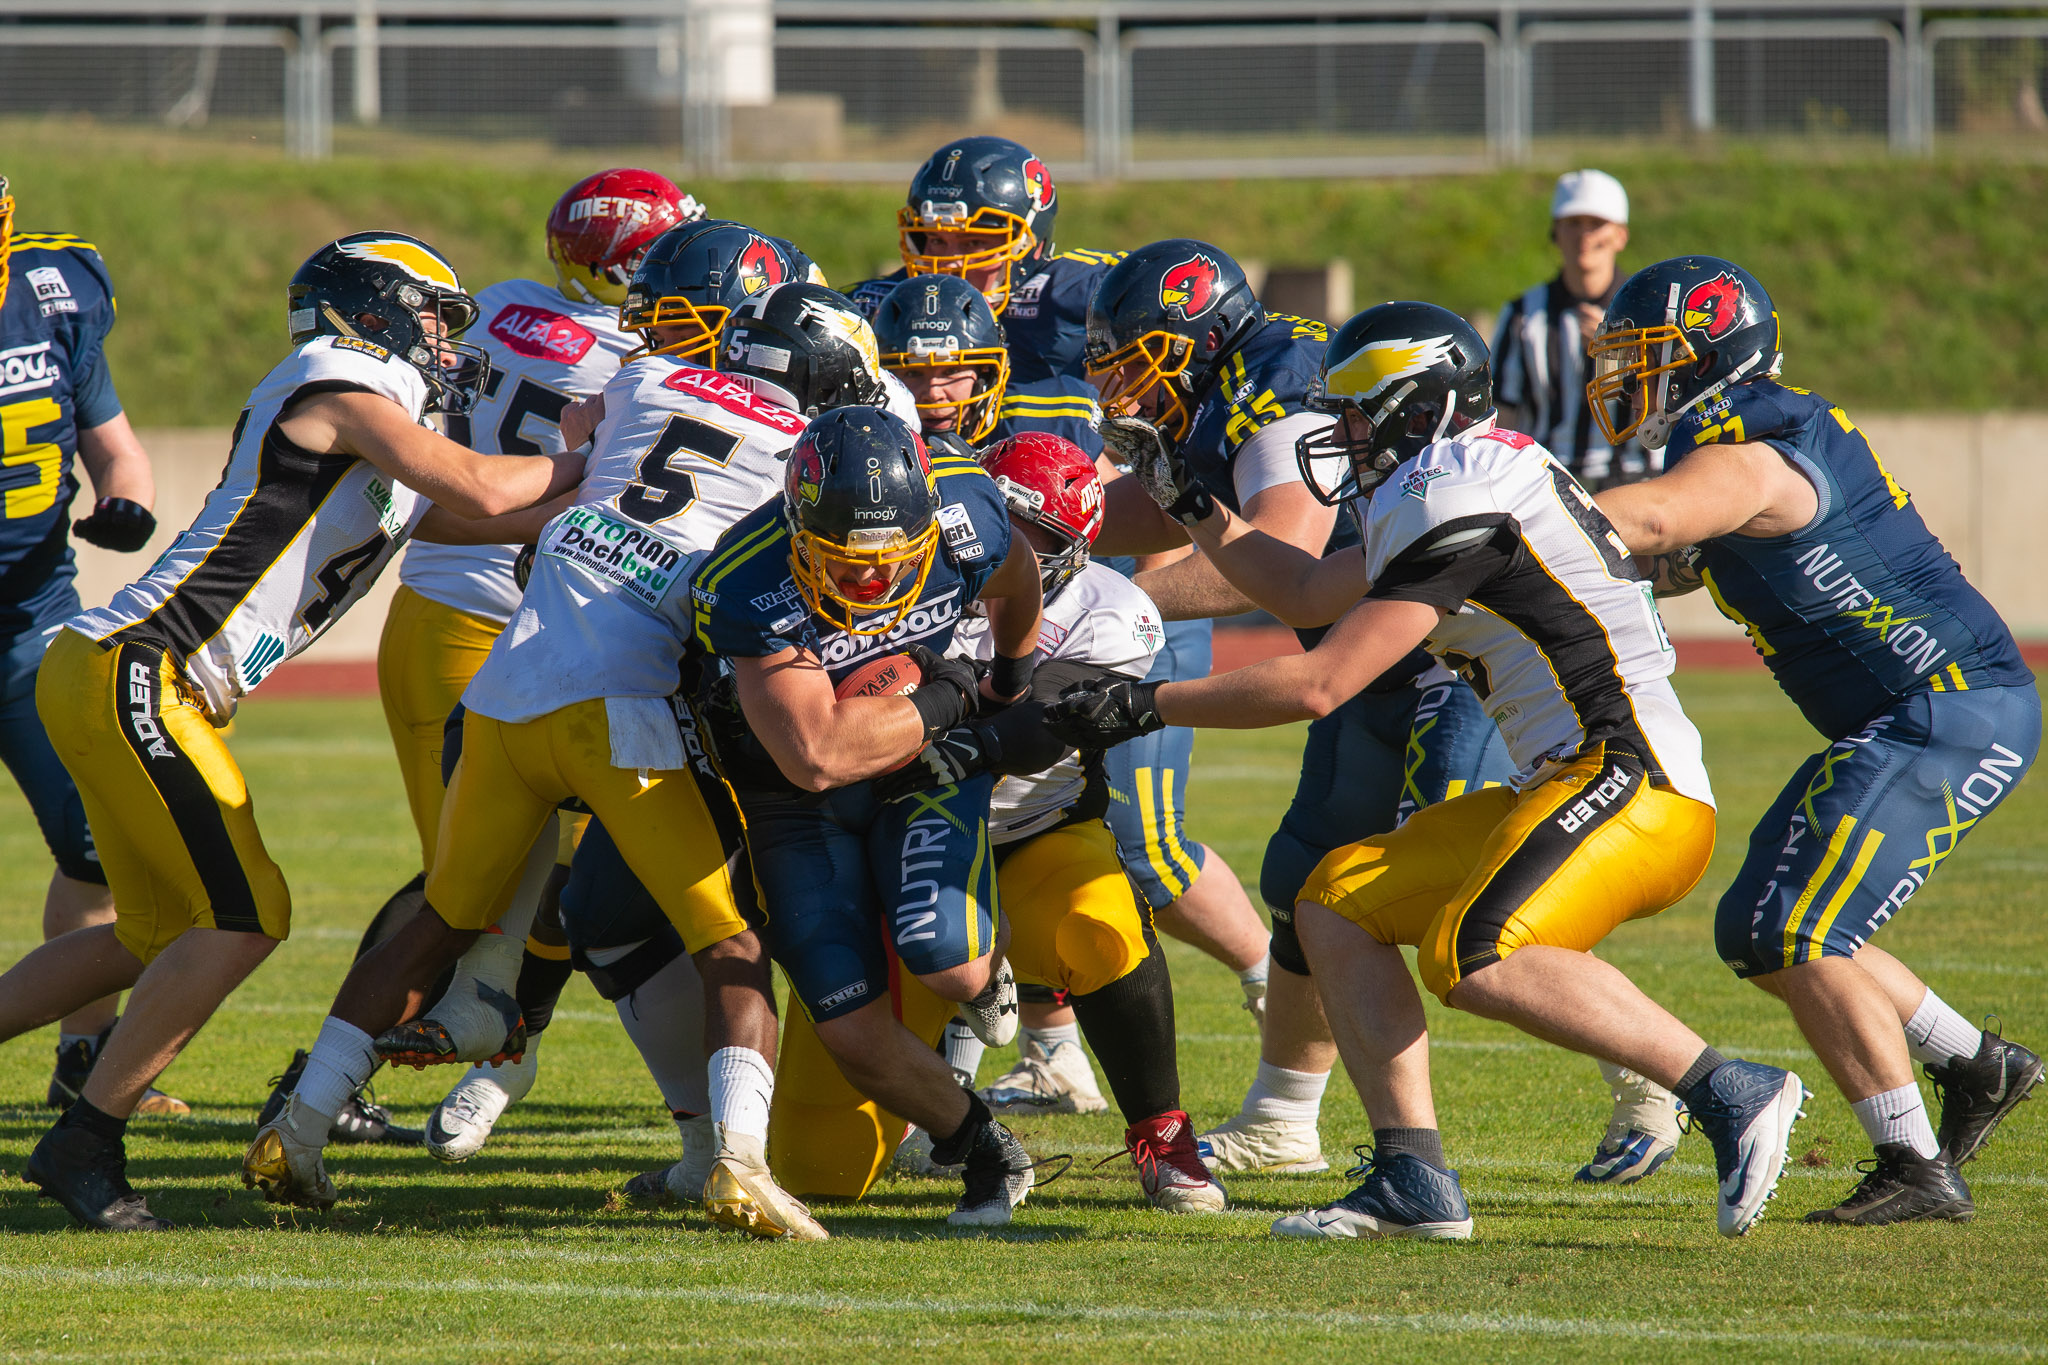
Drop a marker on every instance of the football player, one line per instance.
(330, 471)
(1178, 342)
(574, 700)
(1477, 544)
(875, 548)
(56, 308)
(982, 209)
(1076, 923)
(1777, 504)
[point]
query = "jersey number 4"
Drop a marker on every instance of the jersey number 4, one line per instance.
(660, 490)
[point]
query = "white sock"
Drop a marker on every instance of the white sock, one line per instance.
(963, 1051)
(1049, 1038)
(341, 1062)
(67, 1039)
(1257, 972)
(1938, 1036)
(1282, 1094)
(665, 1020)
(1898, 1116)
(742, 1088)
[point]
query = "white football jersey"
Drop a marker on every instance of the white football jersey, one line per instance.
(286, 542)
(546, 352)
(682, 453)
(1547, 618)
(1100, 618)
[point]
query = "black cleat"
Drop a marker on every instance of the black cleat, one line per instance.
(88, 1175)
(360, 1120)
(74, 1064)
(1976, 1094)
(1900, 1186)
(998, 1173)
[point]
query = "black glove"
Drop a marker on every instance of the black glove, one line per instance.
(1015, 742)
(945, 692)
(522, 566)
(1094, 715)
(116, 524)
(1159, 470)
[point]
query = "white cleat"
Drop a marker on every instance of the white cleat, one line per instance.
(1244, 1146)
(284, 1160)
(462, 1122)
(992, 1015)
(740, 1192)
(1057, 1080)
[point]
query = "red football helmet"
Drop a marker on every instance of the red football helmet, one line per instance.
(1049, 482)
(597, 230)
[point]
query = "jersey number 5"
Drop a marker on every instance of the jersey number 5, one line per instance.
(660, 490)
(16, 421)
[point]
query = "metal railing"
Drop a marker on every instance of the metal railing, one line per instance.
(1101, 88)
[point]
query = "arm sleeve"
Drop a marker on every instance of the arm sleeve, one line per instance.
(1266, 459)
(1453, 563)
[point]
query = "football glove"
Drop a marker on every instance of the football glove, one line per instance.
(1095, 715)
(945, 692)
(522, 566)
(116, 524)
(1159, 471)
(1014, 742)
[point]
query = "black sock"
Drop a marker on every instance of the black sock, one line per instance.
(541, 980)
(952, 1150)
(1129, 1024)
(1424, 1144)
(84, 1114)
(1692, 1086)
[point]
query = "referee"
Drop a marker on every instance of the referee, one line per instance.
(1539, 348)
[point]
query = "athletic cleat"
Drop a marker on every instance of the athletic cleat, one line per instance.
(1055, 1080)
(682, 1182)
(88, 1175)
(740, 1192)
(426, 1042)
(461, 1123)
(360, 1120)
(1170, 1169)
(1641, 1135)
(284, 1160)
(998, 1174)
(1402, 1196)
(1976, 1094)
(1244, 1146)
(914, 1157)
(74, 1064)
(1901, 1186)
(1749, 1121)
(992, 1015)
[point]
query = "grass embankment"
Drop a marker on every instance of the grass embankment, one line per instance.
(1901, 285)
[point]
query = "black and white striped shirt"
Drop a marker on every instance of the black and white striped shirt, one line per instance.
(1539, 367)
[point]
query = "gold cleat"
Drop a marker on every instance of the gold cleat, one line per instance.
(287, 1169)
(741, 1193)
(159, 1105)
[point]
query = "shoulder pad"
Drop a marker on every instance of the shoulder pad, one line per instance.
(362, 347)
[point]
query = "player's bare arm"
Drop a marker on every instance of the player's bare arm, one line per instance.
(1132, 524)
(523, 527)
(580, 420)
(1015, 608)
(1278, 574)
(116, 462)
(820, 741)
(1717, 490)
(376, 429)
(1287, 515)
(1368, 640)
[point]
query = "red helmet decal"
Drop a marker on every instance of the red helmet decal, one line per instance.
(1037, 183)
(1188, 290)
(1714, 307)
(806, 471)
(761, 266)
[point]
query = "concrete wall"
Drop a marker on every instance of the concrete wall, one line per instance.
(1980, 481)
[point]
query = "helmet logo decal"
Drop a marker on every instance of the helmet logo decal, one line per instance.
(611, 206)
(411, 257)
(1189, 289)
(810, 472)
(853, 328)
(760, 267)
(952, 162)
(1037, 183)
(1362, 375)
(1714, 307)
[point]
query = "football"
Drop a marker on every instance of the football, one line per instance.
(889, 676)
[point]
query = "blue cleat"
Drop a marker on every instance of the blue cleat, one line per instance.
(1625, 1159)
(1749, 1120)
(1642, 1134)
(1403, 1196)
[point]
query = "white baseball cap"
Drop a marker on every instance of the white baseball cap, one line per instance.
(1596, 194)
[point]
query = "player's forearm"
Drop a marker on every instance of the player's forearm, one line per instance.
(523, 527)
(116, 462)
(1132, 523)
(852, 741)
(1273, 692)
(1274, 575)
(1190, 589)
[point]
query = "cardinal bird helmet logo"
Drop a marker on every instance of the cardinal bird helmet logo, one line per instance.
(1189, 289)
(1714, 307)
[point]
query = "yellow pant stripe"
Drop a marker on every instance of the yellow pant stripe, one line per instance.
(552, 952)
(974, 880)
(1154, 853)
(1813, 886)
(1169, 833)
(1819, 936)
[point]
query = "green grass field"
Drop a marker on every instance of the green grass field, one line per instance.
(523, 1254)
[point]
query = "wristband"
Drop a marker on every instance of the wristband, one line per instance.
(1008, 677)
(940, 705)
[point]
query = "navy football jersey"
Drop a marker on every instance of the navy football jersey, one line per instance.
(53, 381)
(868, 294)
(1863, 605)
(1046, 318)
(1061, 405)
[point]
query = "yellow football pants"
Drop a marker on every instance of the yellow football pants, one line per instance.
(425, 658)
(167, 806)
(1075, 923)
(511, 776)
(1470, 880)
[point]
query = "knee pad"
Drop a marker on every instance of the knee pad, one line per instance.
(1095, 950)
(1287, 865)
(623, 973)
(1737, 945)
(1285, 947)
